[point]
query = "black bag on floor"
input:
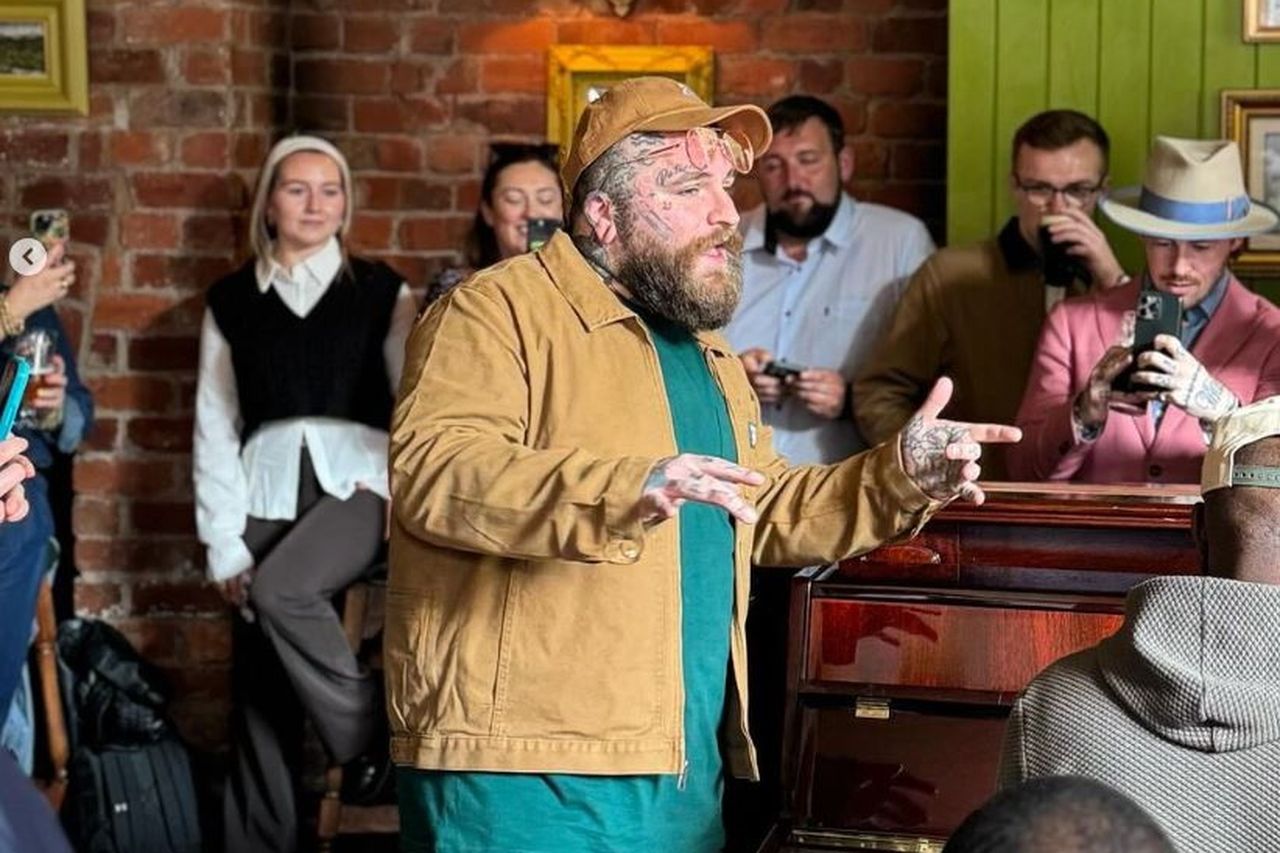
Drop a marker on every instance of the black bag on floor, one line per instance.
(130, 788)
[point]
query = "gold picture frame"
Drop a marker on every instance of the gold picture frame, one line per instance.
(1251, 117)
(576, 73)
(1261, 20)
(44, 65)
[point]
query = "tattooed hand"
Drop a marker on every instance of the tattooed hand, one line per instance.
(704, 479)
(1183, 380)
(940, 456)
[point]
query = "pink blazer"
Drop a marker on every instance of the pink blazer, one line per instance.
(1240, 346)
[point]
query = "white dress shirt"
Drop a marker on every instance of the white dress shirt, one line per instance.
(827, 311)
(260, 479)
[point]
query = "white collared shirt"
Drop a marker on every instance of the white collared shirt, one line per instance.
(260, 479)
(828, 311)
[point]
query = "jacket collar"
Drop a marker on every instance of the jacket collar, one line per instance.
(590, 298)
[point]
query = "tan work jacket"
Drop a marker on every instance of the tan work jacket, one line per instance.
(533, 623)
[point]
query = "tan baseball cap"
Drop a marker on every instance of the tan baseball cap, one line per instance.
(657, 104)
(1233, 431)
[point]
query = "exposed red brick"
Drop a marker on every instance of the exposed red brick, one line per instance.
(815, 33)
(911, 35)
(187, 189)
(167, 517)
(104, 435)
(430, 35)
(96, 516)
(371, 232)
(878, 75)
(315, 32)
(96, 598)
(126, 66)
(925, 161)
(111, 477)
(505, 116)
(207, 67)
(370, 35)
(610, 31)
(164, 434)
(821, 76)
(895, 119)
(399, 155)
(749, 75)
(206, 150)
(152, 24)
(137, 147)
(63, 192)
(140, 556)
(340, 76)
(726, 36)
(34, 148)
(513, 74)
(164, 354)
(435, 232)
(452, 154)
(183, 109)
(131, 311)
(509, 36)
(149, 231)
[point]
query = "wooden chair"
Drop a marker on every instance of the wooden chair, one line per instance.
(46, 671)
(361, 620)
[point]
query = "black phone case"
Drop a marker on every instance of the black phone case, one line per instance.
(1157, 314)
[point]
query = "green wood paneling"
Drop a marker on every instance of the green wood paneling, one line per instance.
(1177, 63)
(971, 82)
(1073, 54)
(1229, 62)
(1022, 85)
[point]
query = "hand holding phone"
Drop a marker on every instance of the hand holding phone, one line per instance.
(539, 232)
(13, 384)
(782, 369)
(51, 226)
(1156, 313)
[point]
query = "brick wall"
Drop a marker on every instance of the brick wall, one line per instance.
(186, 97)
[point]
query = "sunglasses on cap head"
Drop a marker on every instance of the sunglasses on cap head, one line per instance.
(700, 145)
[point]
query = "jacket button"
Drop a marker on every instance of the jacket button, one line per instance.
(1155, 470)
(629, 549)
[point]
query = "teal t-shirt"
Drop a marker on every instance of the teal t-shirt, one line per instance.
(459, 812)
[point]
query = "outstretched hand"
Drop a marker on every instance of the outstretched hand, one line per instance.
(704, 479)
(941, 456)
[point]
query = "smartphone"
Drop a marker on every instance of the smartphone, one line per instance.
(782, 369)
(1156, 314)
(51, 226)
(540, 231)
(13, 384)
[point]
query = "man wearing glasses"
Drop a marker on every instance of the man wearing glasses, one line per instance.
(974, 312)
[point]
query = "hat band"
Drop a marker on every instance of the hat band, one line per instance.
(1267, 476)
(1194, 212)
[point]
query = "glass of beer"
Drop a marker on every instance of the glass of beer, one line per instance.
(37, 347)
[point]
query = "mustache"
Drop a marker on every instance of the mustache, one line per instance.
(794, 194)
(730, 240)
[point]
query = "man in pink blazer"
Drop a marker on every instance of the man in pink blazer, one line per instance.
(1192, 214)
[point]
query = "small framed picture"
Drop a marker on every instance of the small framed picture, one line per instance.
(43, 57)
(578, 74)
(1261, 20)
(1251, 117)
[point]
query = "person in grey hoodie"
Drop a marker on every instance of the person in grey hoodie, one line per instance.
(1180, 709)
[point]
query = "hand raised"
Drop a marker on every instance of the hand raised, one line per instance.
(705, 479)
(941, 456)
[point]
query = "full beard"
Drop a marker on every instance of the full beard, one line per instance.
(812, 224)
(664, 283)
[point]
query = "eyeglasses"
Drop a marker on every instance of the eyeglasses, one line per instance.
(1041, 193)
(701, 143)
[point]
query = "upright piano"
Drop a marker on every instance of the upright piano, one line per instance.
(902, 663)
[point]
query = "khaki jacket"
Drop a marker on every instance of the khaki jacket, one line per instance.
(533, 624)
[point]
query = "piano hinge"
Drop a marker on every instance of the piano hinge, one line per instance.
(867, 708)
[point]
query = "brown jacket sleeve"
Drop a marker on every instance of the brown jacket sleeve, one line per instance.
(812, 514)
(893, 384)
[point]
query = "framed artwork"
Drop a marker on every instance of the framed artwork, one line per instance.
(578, 74)
(1261, 20)
(1251, 117)
(43, 56)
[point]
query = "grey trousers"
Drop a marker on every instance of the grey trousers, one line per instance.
(294, 660)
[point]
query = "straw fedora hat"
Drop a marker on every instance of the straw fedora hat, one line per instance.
(1193, 190)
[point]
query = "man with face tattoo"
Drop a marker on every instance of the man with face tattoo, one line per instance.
(581, 479)
(821, 274)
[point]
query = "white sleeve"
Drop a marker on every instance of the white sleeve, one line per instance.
(402, 316)
(222, 490)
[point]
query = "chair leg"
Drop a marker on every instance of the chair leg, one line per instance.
(47, 667)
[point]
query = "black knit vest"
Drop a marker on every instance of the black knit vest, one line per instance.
(327, 364)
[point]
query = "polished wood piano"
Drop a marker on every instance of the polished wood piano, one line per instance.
(902, 663)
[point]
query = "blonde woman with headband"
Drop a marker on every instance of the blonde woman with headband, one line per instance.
(300, 353)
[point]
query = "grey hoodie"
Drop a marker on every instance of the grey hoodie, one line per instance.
(1180, 709)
